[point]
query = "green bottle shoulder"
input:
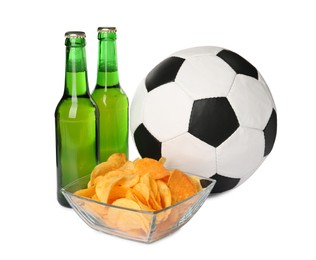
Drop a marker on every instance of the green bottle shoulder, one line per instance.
(76, 107)
(110, 93)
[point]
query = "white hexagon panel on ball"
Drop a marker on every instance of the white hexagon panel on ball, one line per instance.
(167, 111)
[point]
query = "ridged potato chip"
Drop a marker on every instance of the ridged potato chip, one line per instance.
(127, 220)
(151, 166)
(104, 186)
(117, 192)
(87, 193)
(114, 162)
(142, 189)
(181, 186)
(165, 194)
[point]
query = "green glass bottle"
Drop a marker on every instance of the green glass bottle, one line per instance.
(76, 119)
(110, 98)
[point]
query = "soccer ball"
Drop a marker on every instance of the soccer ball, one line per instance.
(209, 112)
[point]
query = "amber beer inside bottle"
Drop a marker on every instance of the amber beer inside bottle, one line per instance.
(110, 98)
(76, 119)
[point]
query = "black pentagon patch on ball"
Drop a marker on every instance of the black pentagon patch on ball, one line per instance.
(270, 132)
(224, 183)
(212, 120)
(165, 72)
(147, 144)
(238, 63)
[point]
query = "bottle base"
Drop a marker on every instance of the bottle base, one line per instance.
(63, 202)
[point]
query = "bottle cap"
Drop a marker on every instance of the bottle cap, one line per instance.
(75, 34)
(107, 29)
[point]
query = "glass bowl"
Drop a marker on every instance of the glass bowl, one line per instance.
(138, 225)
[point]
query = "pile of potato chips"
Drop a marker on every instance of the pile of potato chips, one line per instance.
(144, 184)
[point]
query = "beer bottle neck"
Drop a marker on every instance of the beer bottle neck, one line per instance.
(76, 82)
(107, 62)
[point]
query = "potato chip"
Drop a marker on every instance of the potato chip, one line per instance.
(104, 186)
(95, 197)
(118, 159)
(153, 191)
(153, 203)
(138, 198)
(181, 186)
(99, 170)
(165, 179)
(114, 213)
(145, 179)
(87, 193)
(197, 182)
(143, 189)
(130, 179)
(127, 220)
(165, 194)
(114, 172)
(151, 166)
(95, 208)
(162, 160)
(115, 161)
(97, 179)
(154, 188)
(117, 192)
(127, 166)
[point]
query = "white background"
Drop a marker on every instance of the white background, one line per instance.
(270, 216)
